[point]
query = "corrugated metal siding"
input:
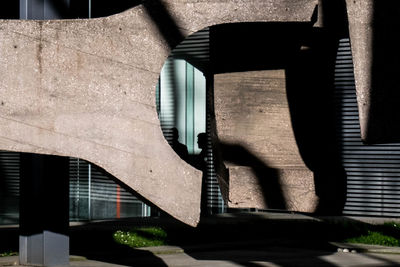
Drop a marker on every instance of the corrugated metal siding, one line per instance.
(93, 195)
(84, 178)
(9, 170)
(78, 189)
(195, 49)
(215, 201)
(373, 171)
(9, 187)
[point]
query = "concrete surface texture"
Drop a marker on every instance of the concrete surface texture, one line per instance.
(274, 257)
(239, 255)
(86, 88)
(258, 145)
(374, 41)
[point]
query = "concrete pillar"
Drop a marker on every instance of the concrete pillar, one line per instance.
(373, 27)
(44, 212)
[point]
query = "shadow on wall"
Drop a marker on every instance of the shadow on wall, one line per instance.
(382, 125)
(268, 178)
(308, 56)
(310, 93)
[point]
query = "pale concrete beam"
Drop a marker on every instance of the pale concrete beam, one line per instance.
(86, 88)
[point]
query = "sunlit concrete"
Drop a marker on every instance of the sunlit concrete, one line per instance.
(86, 88)
(373, 27)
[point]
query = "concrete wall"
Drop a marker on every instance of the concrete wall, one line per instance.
(258, 145)
(86, 88)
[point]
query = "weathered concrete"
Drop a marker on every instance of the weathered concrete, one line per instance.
(375, 40)
(86, 88)
(259, 149)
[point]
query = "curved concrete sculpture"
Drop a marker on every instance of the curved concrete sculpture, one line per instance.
(86, 88)
(373, 27)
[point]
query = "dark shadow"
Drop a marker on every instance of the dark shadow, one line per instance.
(10, 10)
(382, 122)
(9, 187)
(103, 8)
(251, 239)
(9, 202)
(267, 177)
(333, 16)
(178, 147)
(166, 25)
(99, 8)
(61, 8)
(37, 187)
(201, 163)
(308, 55)
(95, 242)
(241, 238)
(242, 47)
(74, 9)
(310, 93)
(254, 46)
(4, 194)
(9, 239)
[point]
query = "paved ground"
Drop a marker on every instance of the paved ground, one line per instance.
(275, 250)
(246, 257)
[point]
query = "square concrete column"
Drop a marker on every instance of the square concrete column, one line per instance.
(44, 210)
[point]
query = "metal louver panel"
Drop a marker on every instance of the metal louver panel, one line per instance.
(9, 187)
(373, 171)
(93, 195)
(215, 201)
(9, 170)
(195, 49)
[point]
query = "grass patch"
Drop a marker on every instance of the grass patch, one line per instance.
(141, 237)
(387, 234)
(351, 231)
(8, 253)
(375, 238)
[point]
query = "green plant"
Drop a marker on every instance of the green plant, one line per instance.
(8, 253)
(141, 237)
(375, 238)
(387, 234)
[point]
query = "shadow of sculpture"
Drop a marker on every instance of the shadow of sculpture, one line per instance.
(310, 93)
(166, 25)
(267, 177)
(95, 242)
(381, 103)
